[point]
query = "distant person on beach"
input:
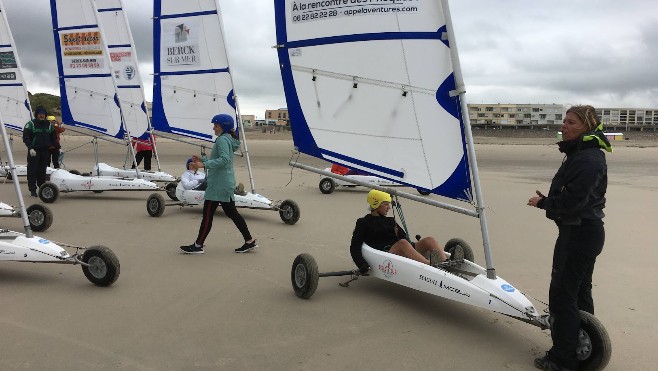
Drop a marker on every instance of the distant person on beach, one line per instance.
(39, 136)
(58, 127)
(575, 202)
(383, 233)
(144, 151)
(221, 185)
(192, 178)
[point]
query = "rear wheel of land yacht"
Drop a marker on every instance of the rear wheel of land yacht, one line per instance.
(103, 266)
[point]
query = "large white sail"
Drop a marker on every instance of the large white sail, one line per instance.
(192, 80)
(370, 85)
(87, 84)
(14, 101)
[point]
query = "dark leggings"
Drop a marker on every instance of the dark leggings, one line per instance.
(209, 208)
(574, 257)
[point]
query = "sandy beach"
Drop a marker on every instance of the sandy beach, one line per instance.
(227, 311)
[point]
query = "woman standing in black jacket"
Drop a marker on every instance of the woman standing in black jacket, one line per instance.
(575, 202)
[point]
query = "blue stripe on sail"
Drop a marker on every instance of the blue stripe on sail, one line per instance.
(109, 10)
(77, 27)
(66, 109)
(88, 126)
(183, 15)
(195, 72)
(87, 76)
(129, 86)
(12, 84)
(191, 133)
(364, 37)
(15, 127)
(158, 118)
(119, 46)
(5, 46)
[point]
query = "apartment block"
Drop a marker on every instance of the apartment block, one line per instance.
(515, 114)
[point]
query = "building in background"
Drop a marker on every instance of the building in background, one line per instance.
(515, 115)
(248, 121)
(278, 118)
(629, 119)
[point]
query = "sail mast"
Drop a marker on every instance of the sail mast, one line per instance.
(461, 91)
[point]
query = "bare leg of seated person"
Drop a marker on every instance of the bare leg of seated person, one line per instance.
(425, 245)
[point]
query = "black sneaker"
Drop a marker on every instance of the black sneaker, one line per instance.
(192, 249)
(546, 363)
(247, 247)
(34, 194)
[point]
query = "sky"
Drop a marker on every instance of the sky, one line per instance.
(599, 52)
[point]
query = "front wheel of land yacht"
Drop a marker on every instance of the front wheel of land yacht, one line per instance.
(103, 266)
(48, 192)
(327, 185)
(304, 276)
(40, 217)
(468, 252)
(289, 212)
(155, 205)
(170, 188)
(594, 346)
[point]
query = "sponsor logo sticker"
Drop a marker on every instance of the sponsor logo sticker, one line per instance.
(508, 288)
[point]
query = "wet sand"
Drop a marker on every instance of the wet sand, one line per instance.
(222, 310)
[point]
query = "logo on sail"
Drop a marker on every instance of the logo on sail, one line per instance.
(129, 72)
(7, 60)
(180, 44)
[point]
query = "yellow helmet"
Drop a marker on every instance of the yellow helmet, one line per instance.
(375, 198)
(50, 118)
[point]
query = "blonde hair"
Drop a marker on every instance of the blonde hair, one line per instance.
(586, 114)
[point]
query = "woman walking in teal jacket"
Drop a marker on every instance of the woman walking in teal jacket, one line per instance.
(221, 185)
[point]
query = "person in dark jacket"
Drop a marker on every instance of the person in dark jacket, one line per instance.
(383, 233)
(39, 136)
(575, 202)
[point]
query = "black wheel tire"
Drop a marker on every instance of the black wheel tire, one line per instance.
(104, 267)
(327, 185)
(594, 346)
(75, 172)
(170, 188)
(155, 205)
(304, 276)
(289, 212)
(97, 191)
(40, 217)
(48, 192)
(423, 191)
(468, 252)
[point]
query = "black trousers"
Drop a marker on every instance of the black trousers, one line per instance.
(574, 257)
(146, 156)
(209, 208)
(36, 168)
(54, 154)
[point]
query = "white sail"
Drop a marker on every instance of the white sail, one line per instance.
(87, 72)
(370, 85)
(14, 102)
(125, 65)
(192, 80)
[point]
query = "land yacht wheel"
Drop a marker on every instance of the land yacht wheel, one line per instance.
(103, 266)
(289, 212)
(304, 276)
(170, 188)
(48, 192)
(594, 346)
(468, 252)
(40, 217)
(155, 205)
(327, 185)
